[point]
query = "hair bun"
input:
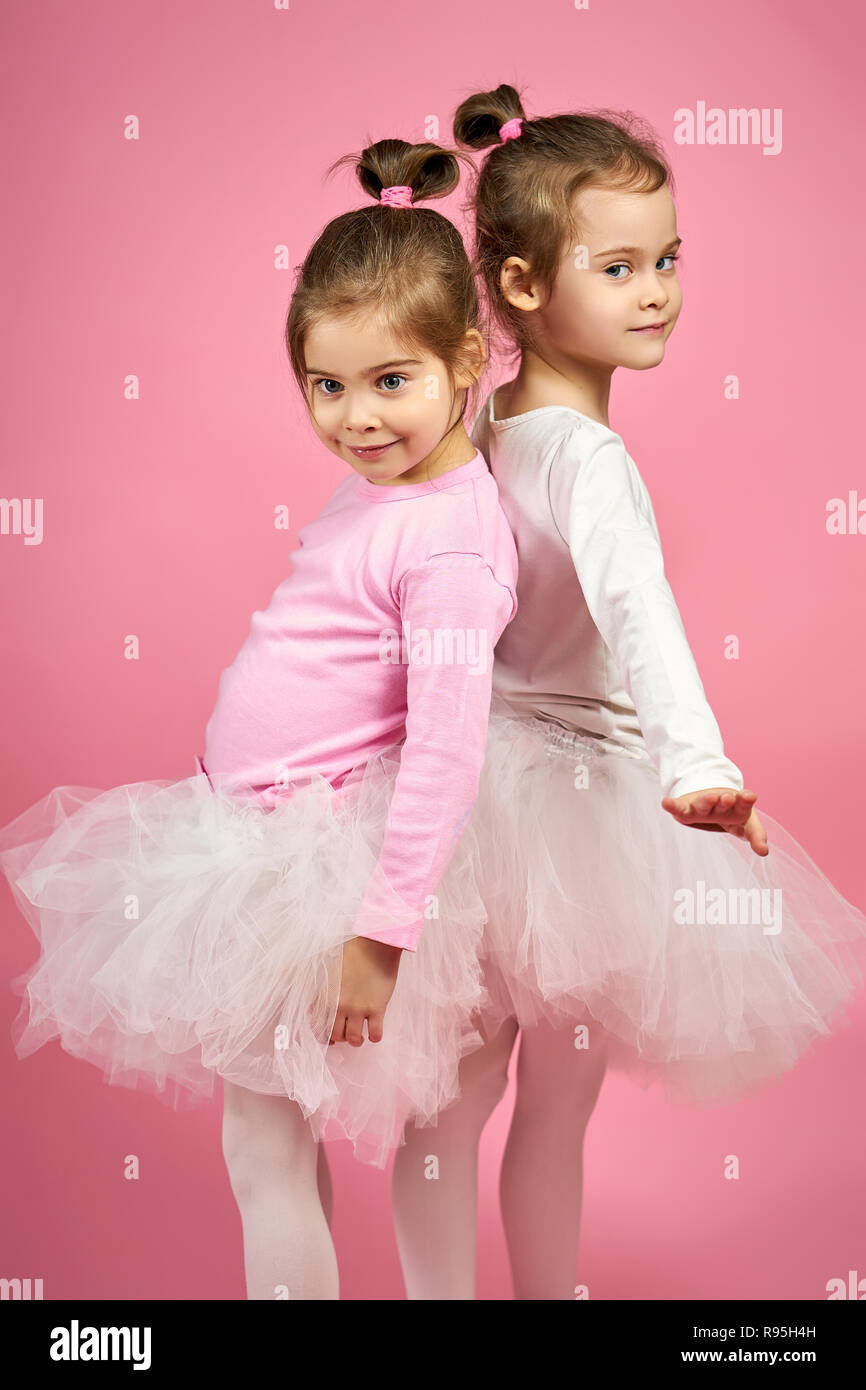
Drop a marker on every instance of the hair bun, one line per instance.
(478, 118)
(429, 170)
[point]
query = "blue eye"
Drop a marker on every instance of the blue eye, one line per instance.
(326, 381)
(621, 265)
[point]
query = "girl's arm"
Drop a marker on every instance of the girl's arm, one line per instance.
(457, 600)
(602, 510)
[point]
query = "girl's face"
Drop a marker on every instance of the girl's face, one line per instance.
(617, 283)
(376, 406)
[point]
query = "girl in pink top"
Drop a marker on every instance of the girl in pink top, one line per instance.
(619, 934)
(302, 918)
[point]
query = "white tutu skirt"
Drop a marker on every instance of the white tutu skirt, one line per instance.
(696, 961)
(188, 932)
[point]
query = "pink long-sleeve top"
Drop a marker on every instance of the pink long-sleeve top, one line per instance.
(382, 634)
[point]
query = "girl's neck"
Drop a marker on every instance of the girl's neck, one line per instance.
(539, 383)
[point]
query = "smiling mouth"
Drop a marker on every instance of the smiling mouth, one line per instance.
(362, 449)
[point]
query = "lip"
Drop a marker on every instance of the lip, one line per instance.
(372, 451)
(650, 327)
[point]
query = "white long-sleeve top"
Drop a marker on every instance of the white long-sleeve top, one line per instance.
(598, 643)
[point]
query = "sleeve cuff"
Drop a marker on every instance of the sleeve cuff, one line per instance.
(406, 938)
(699, 782)
(385, 916)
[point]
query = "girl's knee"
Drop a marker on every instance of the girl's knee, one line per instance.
(264, 1142)
(486, 1089)
(567, 1109)
(484, 1073)
(560, 1073)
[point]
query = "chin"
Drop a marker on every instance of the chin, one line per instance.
(645, 356)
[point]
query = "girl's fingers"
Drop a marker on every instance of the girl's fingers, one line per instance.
(349, 1027)
(355, 1029)
(727, 810)
(756, 834)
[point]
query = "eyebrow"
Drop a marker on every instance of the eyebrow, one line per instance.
(402, 362)
(632, 250)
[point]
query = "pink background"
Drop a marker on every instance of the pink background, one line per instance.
(156, 257)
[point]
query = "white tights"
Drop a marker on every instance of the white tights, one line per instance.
(435, 1180)
(281, 1182)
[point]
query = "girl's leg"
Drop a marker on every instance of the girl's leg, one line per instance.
(541, 1182)
(435, 1180)
(323, 1182)
(273, 1165)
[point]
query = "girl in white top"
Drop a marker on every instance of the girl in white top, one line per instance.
(617, 936)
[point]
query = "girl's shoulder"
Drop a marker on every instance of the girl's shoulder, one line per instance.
(592, 477)
(459, 515)
(561, 443)
(452, 522)
(547, 432)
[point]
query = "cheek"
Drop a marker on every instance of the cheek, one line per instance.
(318, 418)
(569, 294)
(580, 303)
(324, 409)
(419, 405)
(588, 320)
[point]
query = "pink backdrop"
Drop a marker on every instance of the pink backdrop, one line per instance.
(157, 257)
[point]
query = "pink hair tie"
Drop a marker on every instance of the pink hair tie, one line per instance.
(398, 195)
(511, 129)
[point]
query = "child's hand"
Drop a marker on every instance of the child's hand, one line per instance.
(720, 808)
(369, 976)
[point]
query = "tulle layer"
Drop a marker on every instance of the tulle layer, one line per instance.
(700, 963)
(187, 931)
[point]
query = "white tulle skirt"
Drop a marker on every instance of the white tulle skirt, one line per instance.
(188, 932)
(696, 961)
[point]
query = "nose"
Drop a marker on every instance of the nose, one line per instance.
(360, 413)
(654, 293)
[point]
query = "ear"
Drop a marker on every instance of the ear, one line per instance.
(517, 285)
(471, 358)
